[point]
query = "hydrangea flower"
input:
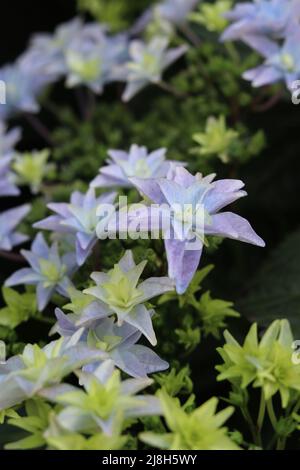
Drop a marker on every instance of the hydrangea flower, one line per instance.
(31, 168)
(8, 222)
(202, 429)
(188, 200)
(282, 62)
(124, 296)
(147, 63)
(48, 271)
(216, 140)
(8, 140)
(22, 89)
(94, 59)
(26, 375)
(104, 399)
(266, 364)
(117, 342)
(46, 52)
(211, 15)
(79, 218)
(261, 17)
(173, 11)
(137, 162)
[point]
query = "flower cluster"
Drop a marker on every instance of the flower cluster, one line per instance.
(271, 27)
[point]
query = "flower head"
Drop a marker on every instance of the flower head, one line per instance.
(125, 296)
(103, 401)
(79, 218)
(216, 140)
(282, 62)
(31, 168)
(261, 17)
(8, 222)
(118, 343)
(137, 162)
(26, 375)
(48, 271)
(189, 211)
(94, 59)
(22, 87)
(172, 11)
(147, 63)
(202, 429)
(211, 15)
(266, 364)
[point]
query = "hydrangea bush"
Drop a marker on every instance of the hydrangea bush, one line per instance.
(114, 333)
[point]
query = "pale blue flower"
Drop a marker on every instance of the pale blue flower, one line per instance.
(80, 218)
(261, 17)
(94, 59)
(118, 343)
(137, 162)
(282, 62)
(9, 220)
(48, 271)
(27, 374)
(147, 63)
(189, 206)
(46, 52)
(22, 89)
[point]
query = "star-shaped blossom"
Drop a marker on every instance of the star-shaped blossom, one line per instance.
(261, 17)
(94, 59)
(147, 63)
(124, 296)
(102, 401)
(22, 88)
(282, 62)
(172, 11)
(46, 52)
(25, 375)
(79, 217)
(189, 212)
(119, 343)
(137, 162)
(48, 271)
(9, 220)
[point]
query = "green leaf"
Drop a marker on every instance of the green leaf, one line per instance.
(275, 293)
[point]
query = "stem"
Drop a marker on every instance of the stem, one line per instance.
(190, 35)
(269, 103)
(271, 413)
(255, 435)
(16, 257)
(262, 410)
(166, 87)
(232, 52)
(48, 321)
(39, 127)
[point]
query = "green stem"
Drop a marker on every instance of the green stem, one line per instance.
(262, 410)
(232, 52)
(255, 435)
(271, 413)
(170, 89)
